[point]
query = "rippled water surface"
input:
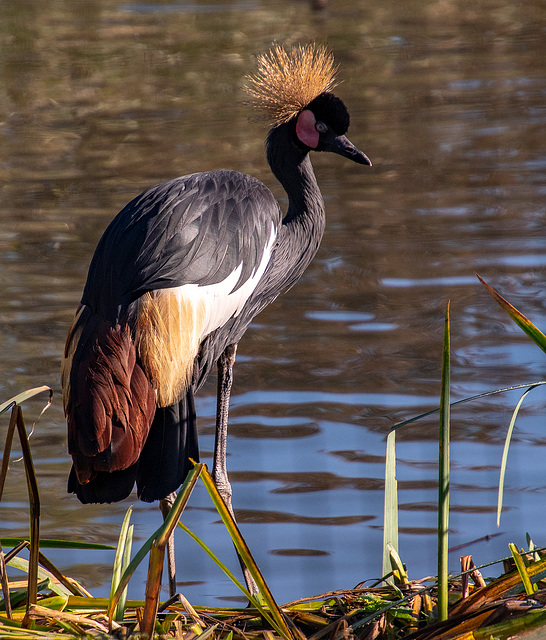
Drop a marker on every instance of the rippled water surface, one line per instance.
(100, 99)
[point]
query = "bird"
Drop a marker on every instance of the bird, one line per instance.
(175, 281)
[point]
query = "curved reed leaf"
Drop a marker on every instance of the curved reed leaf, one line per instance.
(26, 395)
(523, 323)
(505, 452)
(254, 601)
(485, 394)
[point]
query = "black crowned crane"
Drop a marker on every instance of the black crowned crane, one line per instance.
(175, 281)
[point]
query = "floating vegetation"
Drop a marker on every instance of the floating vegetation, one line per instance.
(49, 605)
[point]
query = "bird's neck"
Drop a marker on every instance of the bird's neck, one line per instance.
(292, 168)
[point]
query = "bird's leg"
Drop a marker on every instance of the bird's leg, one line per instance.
(165, 505)
(225, 382)
(219, 467)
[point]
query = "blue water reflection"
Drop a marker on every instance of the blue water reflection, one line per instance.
(102, 99)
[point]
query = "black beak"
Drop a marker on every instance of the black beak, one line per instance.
(344, 147)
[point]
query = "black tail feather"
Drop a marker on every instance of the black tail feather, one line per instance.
(104, 487)
(163, 463)
(165, 459)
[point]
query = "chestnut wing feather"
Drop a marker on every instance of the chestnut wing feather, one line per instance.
(109, 402)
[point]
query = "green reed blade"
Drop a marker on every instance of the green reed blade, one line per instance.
(159, 535)
(246, 556)
(530, 588)
(443, 476)
(399, 572)
(120, 565)
(523, 323)
(390, 515)
(120, 609)
(50, 543)
(255, 602)
(532, 548)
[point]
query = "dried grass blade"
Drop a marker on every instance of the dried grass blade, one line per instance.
(36, 611)
(157, 550)
(207, 633)
(153, 586)
(26, 395)
(7, 451)
(494, 590)
(72, 586)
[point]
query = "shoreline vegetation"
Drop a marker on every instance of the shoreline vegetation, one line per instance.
(50, 605)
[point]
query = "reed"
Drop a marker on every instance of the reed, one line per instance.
(443, 474)
(52, 606)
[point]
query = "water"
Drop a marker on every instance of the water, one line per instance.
(99, 100)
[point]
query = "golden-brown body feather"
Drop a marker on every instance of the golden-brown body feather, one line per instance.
(170, 327)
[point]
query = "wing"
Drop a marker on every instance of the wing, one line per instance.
(198, 230)
(175, 264)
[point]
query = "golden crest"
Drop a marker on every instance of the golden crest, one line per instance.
(285, 82)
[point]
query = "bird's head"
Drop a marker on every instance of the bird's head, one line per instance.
(294, 87)
(322, 126)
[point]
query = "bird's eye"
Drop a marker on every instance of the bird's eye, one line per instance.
(321, 127)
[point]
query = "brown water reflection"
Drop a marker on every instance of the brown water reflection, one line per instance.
(101, 99)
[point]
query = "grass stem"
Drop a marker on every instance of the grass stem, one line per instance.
(443, 476)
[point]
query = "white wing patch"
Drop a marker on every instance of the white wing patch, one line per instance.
(220, 300)
(173, 322)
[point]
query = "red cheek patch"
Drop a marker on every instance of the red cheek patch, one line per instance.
(305, 129)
